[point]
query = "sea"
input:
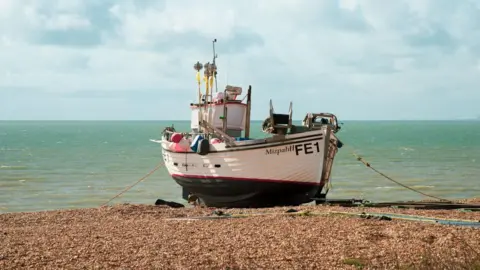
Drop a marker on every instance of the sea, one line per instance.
(46, 165)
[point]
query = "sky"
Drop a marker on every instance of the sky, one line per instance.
(133, 60)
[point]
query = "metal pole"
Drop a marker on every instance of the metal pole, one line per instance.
(247, 117)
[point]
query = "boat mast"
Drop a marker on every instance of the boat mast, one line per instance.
(214, 70)
(198, 66)
(214, 74)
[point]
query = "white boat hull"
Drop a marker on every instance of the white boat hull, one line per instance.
(290, 171)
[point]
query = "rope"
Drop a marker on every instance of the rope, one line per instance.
(417, 218)
(134, 184)
(396, 182)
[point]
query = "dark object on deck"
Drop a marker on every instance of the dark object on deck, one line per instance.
(203, 147)
(168, 203)
(291, 210)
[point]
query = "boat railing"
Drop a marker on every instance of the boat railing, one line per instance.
(230, 141)
(279, 123)
(325, 119)
(186, 135)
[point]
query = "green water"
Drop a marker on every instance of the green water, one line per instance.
(52, 165)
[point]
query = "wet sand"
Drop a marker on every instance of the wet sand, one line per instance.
(158, 237)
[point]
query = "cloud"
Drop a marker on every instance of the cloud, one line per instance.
(361, 59)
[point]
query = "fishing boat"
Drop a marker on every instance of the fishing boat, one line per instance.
(218, 164)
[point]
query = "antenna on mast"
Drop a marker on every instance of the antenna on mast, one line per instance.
(214, 65)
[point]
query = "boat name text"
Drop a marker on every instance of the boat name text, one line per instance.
(278, 151)
(301, 148)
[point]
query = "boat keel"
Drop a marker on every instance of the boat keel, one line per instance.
(220, 192)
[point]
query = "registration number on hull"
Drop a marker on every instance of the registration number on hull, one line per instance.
(299, 149)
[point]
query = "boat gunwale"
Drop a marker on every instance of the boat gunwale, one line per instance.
(260, 145)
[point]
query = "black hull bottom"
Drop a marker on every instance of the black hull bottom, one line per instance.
(226, 193)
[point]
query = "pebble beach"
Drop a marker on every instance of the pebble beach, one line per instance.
(127, 236)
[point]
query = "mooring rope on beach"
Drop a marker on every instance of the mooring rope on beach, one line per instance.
(368, 165)
(134, 184)
(367, 215)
